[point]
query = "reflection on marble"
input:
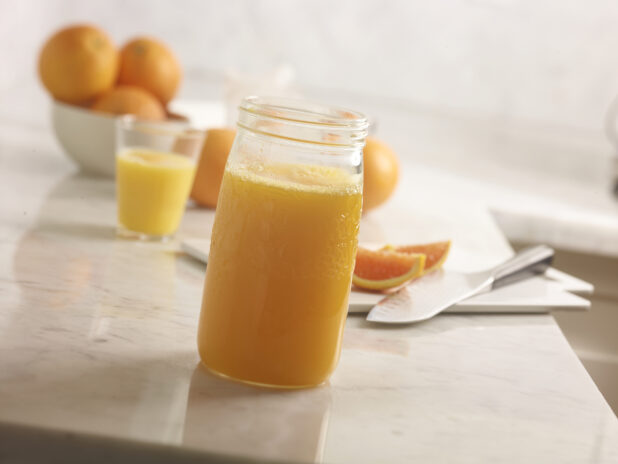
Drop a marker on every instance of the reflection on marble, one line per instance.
(85, 299)
(232, 418)
(97, 336)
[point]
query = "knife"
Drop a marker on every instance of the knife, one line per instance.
(425, 297)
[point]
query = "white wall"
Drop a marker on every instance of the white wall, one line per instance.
(551, 62)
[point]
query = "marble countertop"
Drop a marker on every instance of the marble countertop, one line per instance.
(98, 352)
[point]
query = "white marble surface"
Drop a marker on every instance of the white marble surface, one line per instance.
(97, 337)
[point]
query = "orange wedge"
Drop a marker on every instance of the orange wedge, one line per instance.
(386, 269)
(436, 253)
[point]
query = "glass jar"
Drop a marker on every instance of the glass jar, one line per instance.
(283, 244)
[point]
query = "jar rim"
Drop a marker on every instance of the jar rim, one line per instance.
(345, 127)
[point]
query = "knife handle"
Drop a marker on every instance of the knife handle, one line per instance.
(529, 261)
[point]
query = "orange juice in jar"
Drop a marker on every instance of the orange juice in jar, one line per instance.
(283, 244)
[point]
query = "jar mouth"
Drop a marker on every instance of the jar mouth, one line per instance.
(303, 121)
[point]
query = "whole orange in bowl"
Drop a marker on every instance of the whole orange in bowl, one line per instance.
(127, 99)
(381, 173)
(78, 63)
(216, 148)
(150, 64)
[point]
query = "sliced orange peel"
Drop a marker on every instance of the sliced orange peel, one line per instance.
(394, 266)
(435, 253)
(386, 269)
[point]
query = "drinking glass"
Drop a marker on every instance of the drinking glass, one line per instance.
(155, 167)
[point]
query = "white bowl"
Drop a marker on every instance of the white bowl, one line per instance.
(87, 137)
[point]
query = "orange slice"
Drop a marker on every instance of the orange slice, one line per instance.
(386, 269)
(436, 253)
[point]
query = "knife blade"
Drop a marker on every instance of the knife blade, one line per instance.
(425, 297)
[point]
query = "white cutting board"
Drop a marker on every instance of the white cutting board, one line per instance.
(535, 295)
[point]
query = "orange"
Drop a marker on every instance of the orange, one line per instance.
(381, 173)
(149, 64)
(385, 269)
(130, 100)
(436, 253)
(209, 174)
(78, 63)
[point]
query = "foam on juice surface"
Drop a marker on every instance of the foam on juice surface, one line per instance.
(306, 178)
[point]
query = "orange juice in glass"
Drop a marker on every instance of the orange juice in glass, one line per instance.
(155, 167)
(283, 244)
